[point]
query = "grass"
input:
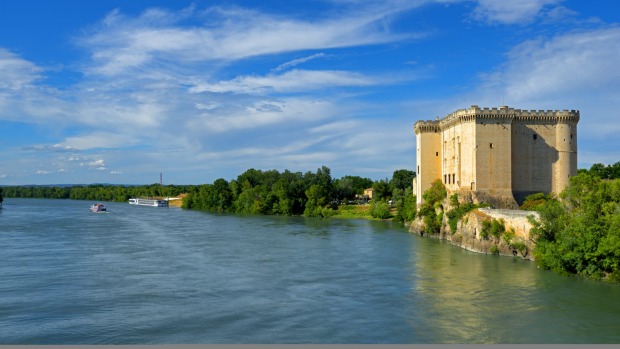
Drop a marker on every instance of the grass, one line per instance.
(353, 211)
(358, 212)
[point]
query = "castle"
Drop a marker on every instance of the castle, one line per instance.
(497, 155)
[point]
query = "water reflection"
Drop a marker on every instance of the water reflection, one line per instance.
(473, 298)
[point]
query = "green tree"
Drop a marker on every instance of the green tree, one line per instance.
(578, 234)
(317, 199)
(432, 203)
(380, 209)
(382, 188)
(402, 179)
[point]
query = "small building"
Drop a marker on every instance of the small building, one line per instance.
(369, 192)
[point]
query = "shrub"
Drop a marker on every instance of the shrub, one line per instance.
(486, 228)
(494, 249)
(380, 209)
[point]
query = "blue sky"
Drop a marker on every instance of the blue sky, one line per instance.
(119, 91)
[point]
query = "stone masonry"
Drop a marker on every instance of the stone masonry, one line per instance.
(497, 155)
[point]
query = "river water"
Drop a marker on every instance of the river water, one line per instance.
(145, 275)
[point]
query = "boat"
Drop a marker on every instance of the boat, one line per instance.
(98, 208)
(149, 202)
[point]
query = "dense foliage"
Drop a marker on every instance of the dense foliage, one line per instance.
(535, 202)
(579, 233)
(295, 193)
(433, 198)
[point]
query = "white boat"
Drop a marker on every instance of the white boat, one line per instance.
(97, 208)
(148, 202)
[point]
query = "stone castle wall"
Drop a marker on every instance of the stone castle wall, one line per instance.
(499, 154)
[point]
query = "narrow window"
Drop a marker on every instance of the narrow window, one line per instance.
(436, 153)
(491, 145)
(535, 136)
(444, 179)
(453, 181)
(571, 136)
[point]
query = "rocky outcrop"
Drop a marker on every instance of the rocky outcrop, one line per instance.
(472, 233)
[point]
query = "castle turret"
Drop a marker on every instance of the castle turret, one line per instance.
(428, 156)
(566, 146)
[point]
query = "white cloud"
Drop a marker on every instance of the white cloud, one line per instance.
(98, 164)
(15, 72)
(122, 43)
(99, 140)
(298, 61)
(566, 64)
(511, 12)
(266, 112)
(290, 81)
(49, 148)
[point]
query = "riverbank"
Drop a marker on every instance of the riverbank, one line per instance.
(487, 231)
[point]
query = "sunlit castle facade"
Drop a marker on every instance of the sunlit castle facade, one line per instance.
(497, 155)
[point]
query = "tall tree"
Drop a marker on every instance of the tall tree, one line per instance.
(402, 179)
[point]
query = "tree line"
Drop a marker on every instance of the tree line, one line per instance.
(313, 194)
(604, 171)
(99, 192)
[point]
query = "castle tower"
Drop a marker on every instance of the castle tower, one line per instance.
(497, 155)
(493, 165)
(428, 156)
(566, 145)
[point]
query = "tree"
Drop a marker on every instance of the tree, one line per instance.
(380, 209)
(382, 189)
(432, 203)
(402, 179)
(317, 199)
(580, 233)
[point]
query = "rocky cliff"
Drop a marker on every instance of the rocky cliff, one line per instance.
(485, 230)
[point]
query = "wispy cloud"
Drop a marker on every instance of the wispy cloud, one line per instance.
(15, 72)
(121, 43)
(49, 148)
(298, 61)
(290, 81)
(512, 12)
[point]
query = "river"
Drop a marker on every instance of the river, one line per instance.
(145, 275)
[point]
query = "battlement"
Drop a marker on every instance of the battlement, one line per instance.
(506, 114)
(425, 126)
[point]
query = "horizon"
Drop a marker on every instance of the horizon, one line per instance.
(116, 92)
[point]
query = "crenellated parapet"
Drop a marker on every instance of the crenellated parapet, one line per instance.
(506, 114)
(426, 126)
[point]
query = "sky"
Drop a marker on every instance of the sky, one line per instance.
(120, 91)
